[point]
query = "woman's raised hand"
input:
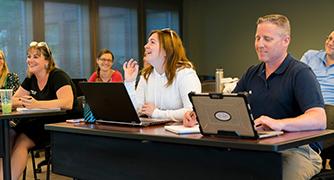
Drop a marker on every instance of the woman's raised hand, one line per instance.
(130, 70)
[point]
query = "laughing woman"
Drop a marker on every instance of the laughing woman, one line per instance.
(166, 79)
(44, 87)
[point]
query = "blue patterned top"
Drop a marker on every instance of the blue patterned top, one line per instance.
(325, 74)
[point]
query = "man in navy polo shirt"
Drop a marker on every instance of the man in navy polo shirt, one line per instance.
(285, 95)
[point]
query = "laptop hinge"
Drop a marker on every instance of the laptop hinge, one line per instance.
(216, 95)
(227, 133)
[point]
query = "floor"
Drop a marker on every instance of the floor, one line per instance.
(42, 176)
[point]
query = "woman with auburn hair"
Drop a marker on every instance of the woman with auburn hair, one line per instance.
(8, 80)
(166, 80)
(104, 72)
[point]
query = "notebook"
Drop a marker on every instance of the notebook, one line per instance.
(226, 115)
(110, 103)
(180, 129)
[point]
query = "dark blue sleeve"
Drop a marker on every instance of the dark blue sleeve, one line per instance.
(242, 85)
(307, 90)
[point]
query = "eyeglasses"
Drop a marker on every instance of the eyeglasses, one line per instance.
(167, 30)
(40, 44)
(105, 60)
(329, 38)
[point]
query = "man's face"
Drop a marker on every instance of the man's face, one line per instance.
(270, 43)
(329, 45)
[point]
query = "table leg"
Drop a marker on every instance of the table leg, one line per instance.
(6, 158)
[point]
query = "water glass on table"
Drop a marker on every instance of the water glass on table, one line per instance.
(6, 100)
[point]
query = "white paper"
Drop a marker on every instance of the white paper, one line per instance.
(37, 109)
(180, 129)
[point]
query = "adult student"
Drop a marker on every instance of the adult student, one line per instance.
(280, 98)
(44, 87)
(166, 79)
(104, 71)
(8, 80)
(322, 64)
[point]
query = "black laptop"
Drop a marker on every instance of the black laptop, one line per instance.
(226, 115)
(110, 103)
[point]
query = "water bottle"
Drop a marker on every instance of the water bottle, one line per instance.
(219, 78)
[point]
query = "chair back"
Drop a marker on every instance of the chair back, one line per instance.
(330, 123)
(330, 116)
(208, 86)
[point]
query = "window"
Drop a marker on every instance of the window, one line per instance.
(118, 30)
(15, 33)
(162, 14)
(76, 30)
(158, 19)
(67, 34)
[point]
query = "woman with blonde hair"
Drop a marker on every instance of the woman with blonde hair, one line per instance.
(45, 86)
(166, 79)
(8, 80)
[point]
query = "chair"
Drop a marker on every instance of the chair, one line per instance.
(47, 148)
(46, 161)
(328, 145)
(328, 148)
(209, 86)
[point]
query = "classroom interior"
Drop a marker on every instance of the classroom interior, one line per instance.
(215, 33)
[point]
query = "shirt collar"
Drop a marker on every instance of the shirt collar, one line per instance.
(322, 56)
(280, 69)
(157, 74)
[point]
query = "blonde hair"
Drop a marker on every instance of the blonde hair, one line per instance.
(42, 48)
(175, 55)
(279, 20)
(5, 70)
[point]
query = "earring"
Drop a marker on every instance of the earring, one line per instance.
(46, 66)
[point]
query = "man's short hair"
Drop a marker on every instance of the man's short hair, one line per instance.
(279, 20)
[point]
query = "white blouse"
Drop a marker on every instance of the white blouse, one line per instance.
(170, 102)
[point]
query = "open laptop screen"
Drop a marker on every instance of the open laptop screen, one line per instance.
(224, 114)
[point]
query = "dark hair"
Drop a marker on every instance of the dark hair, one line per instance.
(101, 53)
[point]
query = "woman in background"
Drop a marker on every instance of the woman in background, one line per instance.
(8, 80)
(166, 79)
(104, 71)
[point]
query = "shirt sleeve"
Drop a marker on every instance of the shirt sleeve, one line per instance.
(305, 59)
(117, 77)
(12, 82)
(308, 94)
(136, 95)
(26, 84)
(187, 81)
(92, 78)
(60, 79)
